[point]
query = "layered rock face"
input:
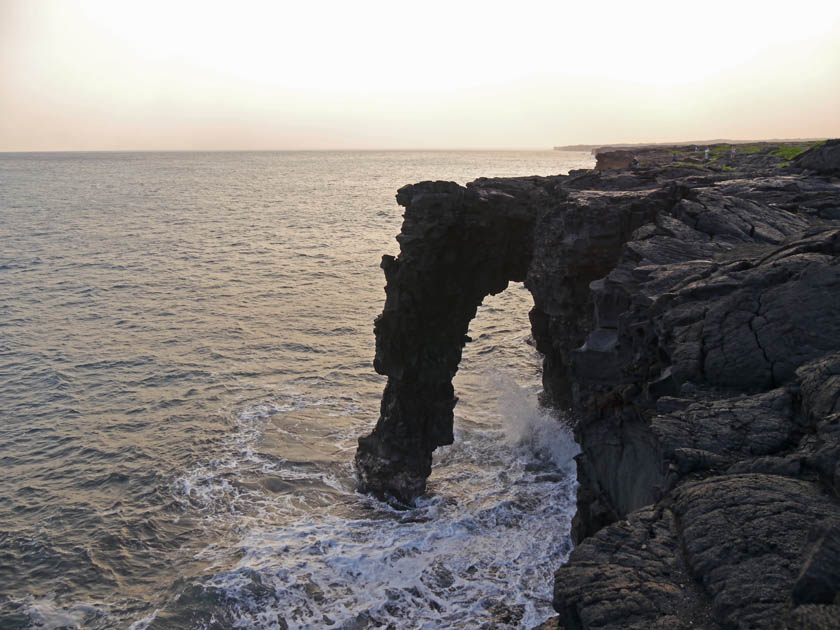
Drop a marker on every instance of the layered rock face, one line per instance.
(690, 320)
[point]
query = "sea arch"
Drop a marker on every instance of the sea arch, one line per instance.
(457, 246)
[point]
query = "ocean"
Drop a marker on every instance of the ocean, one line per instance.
(186, 345)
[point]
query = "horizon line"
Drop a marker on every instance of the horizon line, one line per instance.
(426, 149)
(354, 150)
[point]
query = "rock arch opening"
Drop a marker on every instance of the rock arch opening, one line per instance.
(499, 359)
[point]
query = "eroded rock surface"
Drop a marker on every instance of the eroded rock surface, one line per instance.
(690, 320)
(457, 245)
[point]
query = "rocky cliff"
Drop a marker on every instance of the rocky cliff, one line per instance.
(689, 317)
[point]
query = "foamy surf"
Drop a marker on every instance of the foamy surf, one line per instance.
(226, 483)
(479, 550)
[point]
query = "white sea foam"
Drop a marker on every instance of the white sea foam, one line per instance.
(142, 624)
(46, 614)
(543, 430)
(212, 486)
(481, 547)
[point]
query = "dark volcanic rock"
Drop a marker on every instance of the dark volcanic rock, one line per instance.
(824, 158)
(457, 246)
(628, 577)
(614, 159)
(745, 537)
(690, 320)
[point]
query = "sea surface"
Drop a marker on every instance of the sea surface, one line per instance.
(186, 344)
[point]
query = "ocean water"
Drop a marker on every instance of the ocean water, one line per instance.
(186, 343)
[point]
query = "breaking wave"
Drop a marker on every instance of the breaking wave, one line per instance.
(479, 548)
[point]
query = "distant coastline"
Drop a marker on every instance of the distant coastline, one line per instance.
(594, 148)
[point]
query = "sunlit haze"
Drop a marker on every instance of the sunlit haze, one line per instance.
(119, 75)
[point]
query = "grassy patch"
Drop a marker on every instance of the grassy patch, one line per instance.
(788, 152)
(748, 149)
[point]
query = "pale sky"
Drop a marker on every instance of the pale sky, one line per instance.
(248, 74)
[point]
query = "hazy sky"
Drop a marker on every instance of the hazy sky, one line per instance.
(240, 74)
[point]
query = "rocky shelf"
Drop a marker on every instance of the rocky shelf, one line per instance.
(689, 319)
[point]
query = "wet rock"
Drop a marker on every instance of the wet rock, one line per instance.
(549, 624)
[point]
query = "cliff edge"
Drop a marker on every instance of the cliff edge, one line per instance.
(689, 317)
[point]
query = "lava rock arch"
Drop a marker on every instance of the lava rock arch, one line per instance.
(457, 245)
(460, 244)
